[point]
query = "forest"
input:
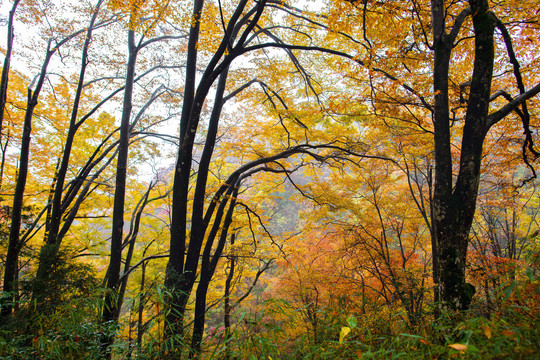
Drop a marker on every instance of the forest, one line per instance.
(269, 179)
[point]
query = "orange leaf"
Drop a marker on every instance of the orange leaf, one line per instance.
(459, 347)
(487, 332)
(508, 333)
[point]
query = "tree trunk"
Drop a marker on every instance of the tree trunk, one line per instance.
(140, 310)
(110, 305)
(227, 308)
(175, 276)
(12, 256)
(5, 77)
(454, 204)
(208, 266)
(183, 265)
(56, 208)
(48, 252)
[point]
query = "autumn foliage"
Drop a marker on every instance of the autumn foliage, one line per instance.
(270, 179)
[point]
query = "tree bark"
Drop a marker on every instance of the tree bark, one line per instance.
(175, 266)
(209, 264)
(454, 204)
(227, 308)
(5, 76)
(113, 274)
(50, 249)
(56, 208)
(183, 265)
(12, 256)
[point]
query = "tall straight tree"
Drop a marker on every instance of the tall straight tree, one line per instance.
(387, 42)
(136, 22)
(181, 269)
(454, 203)
(113, 274)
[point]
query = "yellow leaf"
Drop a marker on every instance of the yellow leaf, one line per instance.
(487, 332)
(459, 347)
(344, 332)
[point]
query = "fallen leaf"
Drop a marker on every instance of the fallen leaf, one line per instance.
(344, 332)
(487, 332)
(459, 347)
(508, 333)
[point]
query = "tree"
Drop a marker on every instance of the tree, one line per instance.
(14, 245)
(454, 204)
(78, 145)
(53, 221)
(112, 302)
(353, 108)
(5, 75)
(182, 267)
(394, 60)
(463, 107)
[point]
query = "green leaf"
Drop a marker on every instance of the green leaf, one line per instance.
(529, 273)
(351, 320)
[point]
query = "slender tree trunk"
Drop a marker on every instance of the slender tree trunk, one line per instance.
(49, 251)
(175, 276)
(3, 148)
(5, 77)
(131, 240)
(227, 308)
(140, 312)
(12, 256)
(183, 265)
(113, 274)
(56, 210)
(208, 267)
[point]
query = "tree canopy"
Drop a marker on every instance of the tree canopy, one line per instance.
(269, 179)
